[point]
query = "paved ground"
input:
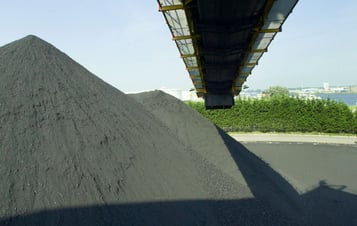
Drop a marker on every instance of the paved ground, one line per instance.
(295, 138)
(322, 175)
(305, 165)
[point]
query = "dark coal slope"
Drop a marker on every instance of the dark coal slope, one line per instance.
(273, 196)
(68, 139)
(191, 128)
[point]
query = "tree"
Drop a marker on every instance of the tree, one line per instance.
(277, 91)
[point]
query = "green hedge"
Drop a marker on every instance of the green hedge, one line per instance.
(283, 114)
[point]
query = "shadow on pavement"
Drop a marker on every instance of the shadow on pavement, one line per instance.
(186, 212)
(324, 205)
(276, 202)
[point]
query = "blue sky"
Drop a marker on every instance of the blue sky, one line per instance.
(128, 44)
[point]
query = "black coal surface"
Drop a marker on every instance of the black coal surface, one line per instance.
(68, 139)
(76, 151)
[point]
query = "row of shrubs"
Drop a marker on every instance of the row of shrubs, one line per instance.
(283, 114)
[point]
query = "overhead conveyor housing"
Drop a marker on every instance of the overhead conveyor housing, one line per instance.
(221, 42)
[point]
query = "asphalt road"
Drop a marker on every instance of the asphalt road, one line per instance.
(306, 165)
(322, 175)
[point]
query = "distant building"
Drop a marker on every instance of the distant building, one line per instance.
(182, 94)
(353, 89)
(339, 89)
(173, 92)
(326, 86)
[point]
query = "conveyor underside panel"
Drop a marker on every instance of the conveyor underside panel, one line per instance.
(222, 41)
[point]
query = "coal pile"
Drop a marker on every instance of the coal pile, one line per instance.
(274, 200)
(68, 139)
(76, 151)
(191, 128)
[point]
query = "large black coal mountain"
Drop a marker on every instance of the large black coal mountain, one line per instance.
(72, 146)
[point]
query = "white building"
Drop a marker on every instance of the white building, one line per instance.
(326, 86)
(183, 95)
